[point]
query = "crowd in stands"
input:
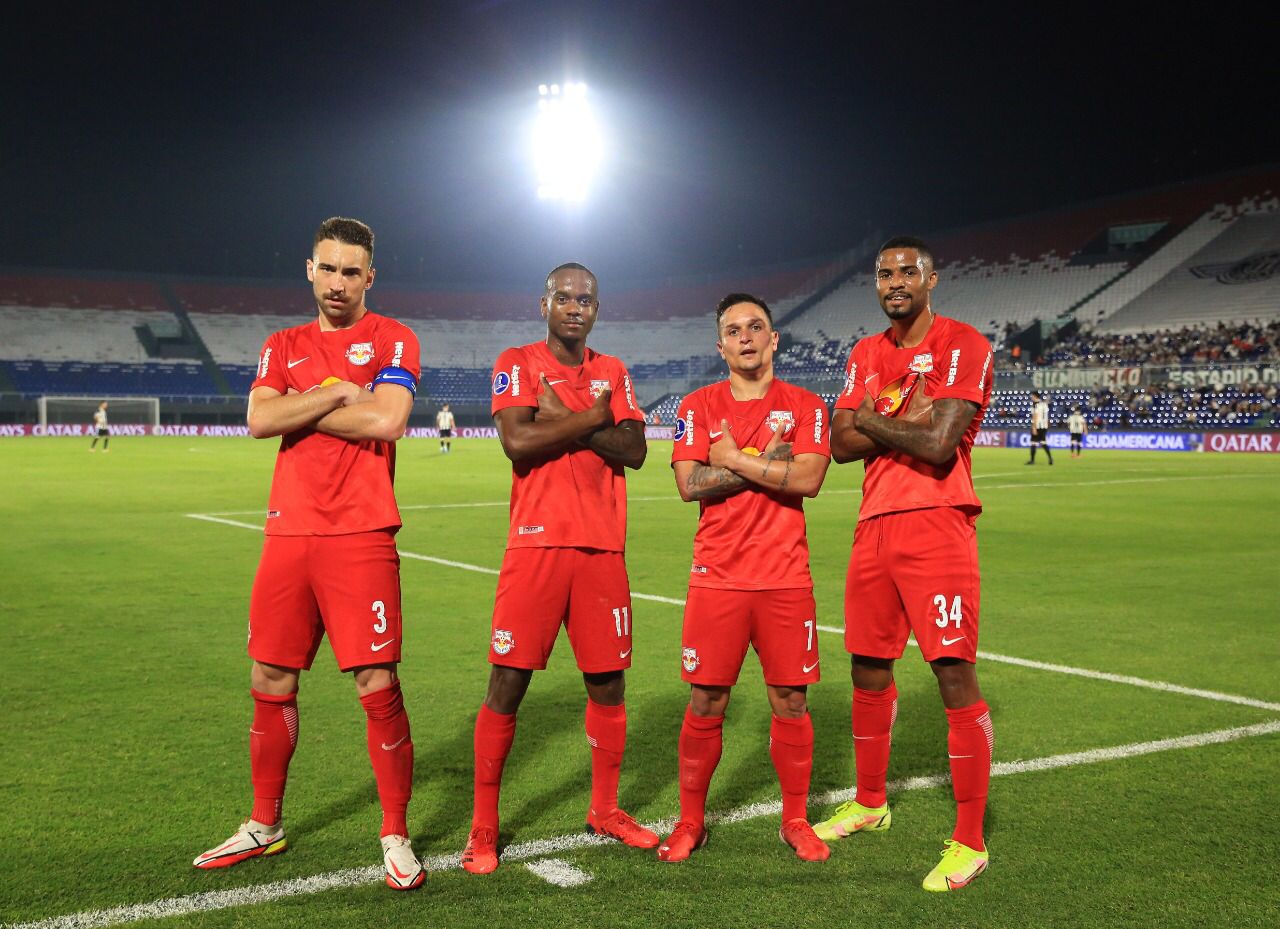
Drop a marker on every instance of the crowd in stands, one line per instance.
(1221, 344)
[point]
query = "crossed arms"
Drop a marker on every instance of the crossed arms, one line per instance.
(930, 435)
(550, 427)
(730, 470)
(343, 410)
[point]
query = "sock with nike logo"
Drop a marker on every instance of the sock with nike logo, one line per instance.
(873, 714)
(701, 742)
(272, 738)
(607, 735)
(791, 748)
(391, 752)
(493, 737)
(970, 740)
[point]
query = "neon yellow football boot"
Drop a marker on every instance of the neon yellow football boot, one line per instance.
(960, 864)
(850, 817)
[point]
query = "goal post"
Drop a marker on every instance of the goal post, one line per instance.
(54, 409)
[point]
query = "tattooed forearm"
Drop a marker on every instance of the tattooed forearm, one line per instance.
(933, 441)
(706, 482)
(622, 444)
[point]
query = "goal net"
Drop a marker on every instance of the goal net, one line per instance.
(120, 410)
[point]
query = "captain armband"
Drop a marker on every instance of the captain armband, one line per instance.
(392, 374)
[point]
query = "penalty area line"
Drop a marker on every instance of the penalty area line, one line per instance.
(540, 848)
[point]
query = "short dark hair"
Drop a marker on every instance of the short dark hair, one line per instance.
(342, 229)
(571, 266)
(908, 241)
(734, 299)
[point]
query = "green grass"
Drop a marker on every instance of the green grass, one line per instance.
(125, 704)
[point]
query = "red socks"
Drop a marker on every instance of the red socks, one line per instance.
(873, 714)
(493, 737)
(272, 738)
(791, 748)
(391, 751)
(700, 747)
(969, 743)
(607, 735)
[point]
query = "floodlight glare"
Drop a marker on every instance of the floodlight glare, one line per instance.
(567, 147)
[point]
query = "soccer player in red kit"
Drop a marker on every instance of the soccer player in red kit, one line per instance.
(913, 399)
(568, 420)
(338, 391)
(749, 450)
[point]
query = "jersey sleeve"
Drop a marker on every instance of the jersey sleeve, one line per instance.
(271, 366)
(690, 441)
(396, 348)
(513, 384)
(812, 435)
(623, 400)
(855, 383)
(967, 364)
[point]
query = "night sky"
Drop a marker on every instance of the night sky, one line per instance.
(212, 140)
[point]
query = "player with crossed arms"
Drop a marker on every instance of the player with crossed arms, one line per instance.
(749, 449)
(338, 391)
(913, 400)
(567, 419)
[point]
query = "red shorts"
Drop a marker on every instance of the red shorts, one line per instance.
(914, 571)
(540, 589)
(345, 585)
(780, 624)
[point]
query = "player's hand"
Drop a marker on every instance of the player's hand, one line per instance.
(349, 392)
(777, 450)
(602, 410)
(866, 408)
(919, 406)
(724, 450)
(550, 406)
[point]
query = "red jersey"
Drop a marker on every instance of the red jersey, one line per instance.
(573, 498)
(954, 360)
(754, 539)
(324, 485)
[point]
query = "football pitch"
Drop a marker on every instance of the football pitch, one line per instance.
(1130, 647)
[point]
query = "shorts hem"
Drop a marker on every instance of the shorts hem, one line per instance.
(284, 663)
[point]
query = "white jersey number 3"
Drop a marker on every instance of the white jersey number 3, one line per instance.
(380, 610)
(957, 611)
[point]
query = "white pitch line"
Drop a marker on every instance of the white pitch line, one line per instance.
(559, 872)
(836, 630)
(355, 877)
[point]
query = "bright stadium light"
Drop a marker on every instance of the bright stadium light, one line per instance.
(567, 145)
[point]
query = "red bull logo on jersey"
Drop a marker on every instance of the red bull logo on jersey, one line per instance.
(922, 363)
(598, 387)
(503, 641)
(780, 421)
(894, 397)
(689, 658)
(360, 353)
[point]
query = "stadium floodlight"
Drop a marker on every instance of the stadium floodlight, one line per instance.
(567, 145)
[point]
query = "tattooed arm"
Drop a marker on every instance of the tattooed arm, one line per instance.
(933, 439)
(801, 475)
(698, 481)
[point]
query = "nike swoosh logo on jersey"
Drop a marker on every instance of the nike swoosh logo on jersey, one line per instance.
(624, 654)
(946, 641)
(810, 667)
(393, 746)
(715, 435)
(551, 383)
(298, 362)
(380, 646)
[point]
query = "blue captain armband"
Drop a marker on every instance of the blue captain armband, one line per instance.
(394, 375)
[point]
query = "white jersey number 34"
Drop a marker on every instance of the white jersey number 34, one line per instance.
(954, 616)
